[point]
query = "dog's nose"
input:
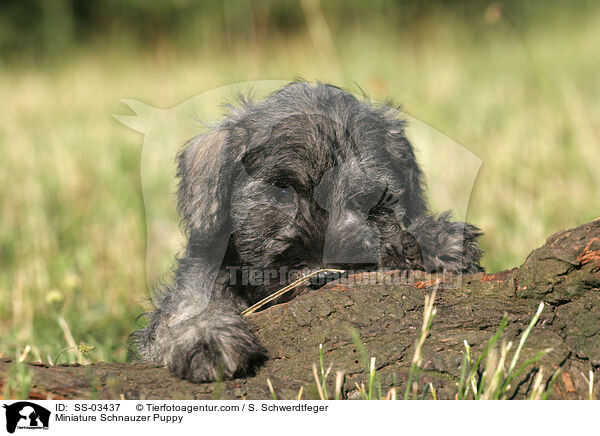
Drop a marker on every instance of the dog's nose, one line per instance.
(351, 244)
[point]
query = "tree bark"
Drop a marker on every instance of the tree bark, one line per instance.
(386, 310)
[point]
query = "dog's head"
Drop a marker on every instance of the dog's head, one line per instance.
(309, 177)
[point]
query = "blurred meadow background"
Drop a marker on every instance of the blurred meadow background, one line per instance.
(516, 83)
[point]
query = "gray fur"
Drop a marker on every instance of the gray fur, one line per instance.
(311, 177)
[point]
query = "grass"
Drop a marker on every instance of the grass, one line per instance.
(18, 382)
(524, 99)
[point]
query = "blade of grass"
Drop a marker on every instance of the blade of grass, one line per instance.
(366, 361)
(271, 389)
(433, 391)
(339, 381)
(319, 387)
(550, 385)
(490, 344)
(323, 375)
(524, 337)
(371, 377)
(425, 392)
(361, 389)
(510, 377)
(415, 366)
(537, 390)
(463, 373)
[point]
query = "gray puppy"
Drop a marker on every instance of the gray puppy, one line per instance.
(309, 178)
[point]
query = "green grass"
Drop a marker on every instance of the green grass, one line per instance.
(525, 100)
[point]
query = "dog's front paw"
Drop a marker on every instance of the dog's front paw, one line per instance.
(206, 350)
(401, 252)
(447, 246)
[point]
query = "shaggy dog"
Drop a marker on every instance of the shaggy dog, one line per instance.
(309, 178)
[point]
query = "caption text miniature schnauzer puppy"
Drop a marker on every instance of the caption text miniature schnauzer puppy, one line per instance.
(309, 178)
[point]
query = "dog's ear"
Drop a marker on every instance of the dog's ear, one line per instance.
(203, 190)
(405, 164)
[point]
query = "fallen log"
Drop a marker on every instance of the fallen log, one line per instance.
(386, 309)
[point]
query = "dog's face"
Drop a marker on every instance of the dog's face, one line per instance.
(309, 178)
(311, 202)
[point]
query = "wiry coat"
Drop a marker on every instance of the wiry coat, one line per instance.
(309, 178)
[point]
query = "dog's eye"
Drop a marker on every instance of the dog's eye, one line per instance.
(283, 195)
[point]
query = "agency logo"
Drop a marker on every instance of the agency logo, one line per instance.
(26, 415)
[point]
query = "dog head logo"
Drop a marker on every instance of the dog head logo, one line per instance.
(26, 415)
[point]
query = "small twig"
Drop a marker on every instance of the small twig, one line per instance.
(285, 289)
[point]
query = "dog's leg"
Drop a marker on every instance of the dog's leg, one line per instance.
(200, 340)
(446, 245)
